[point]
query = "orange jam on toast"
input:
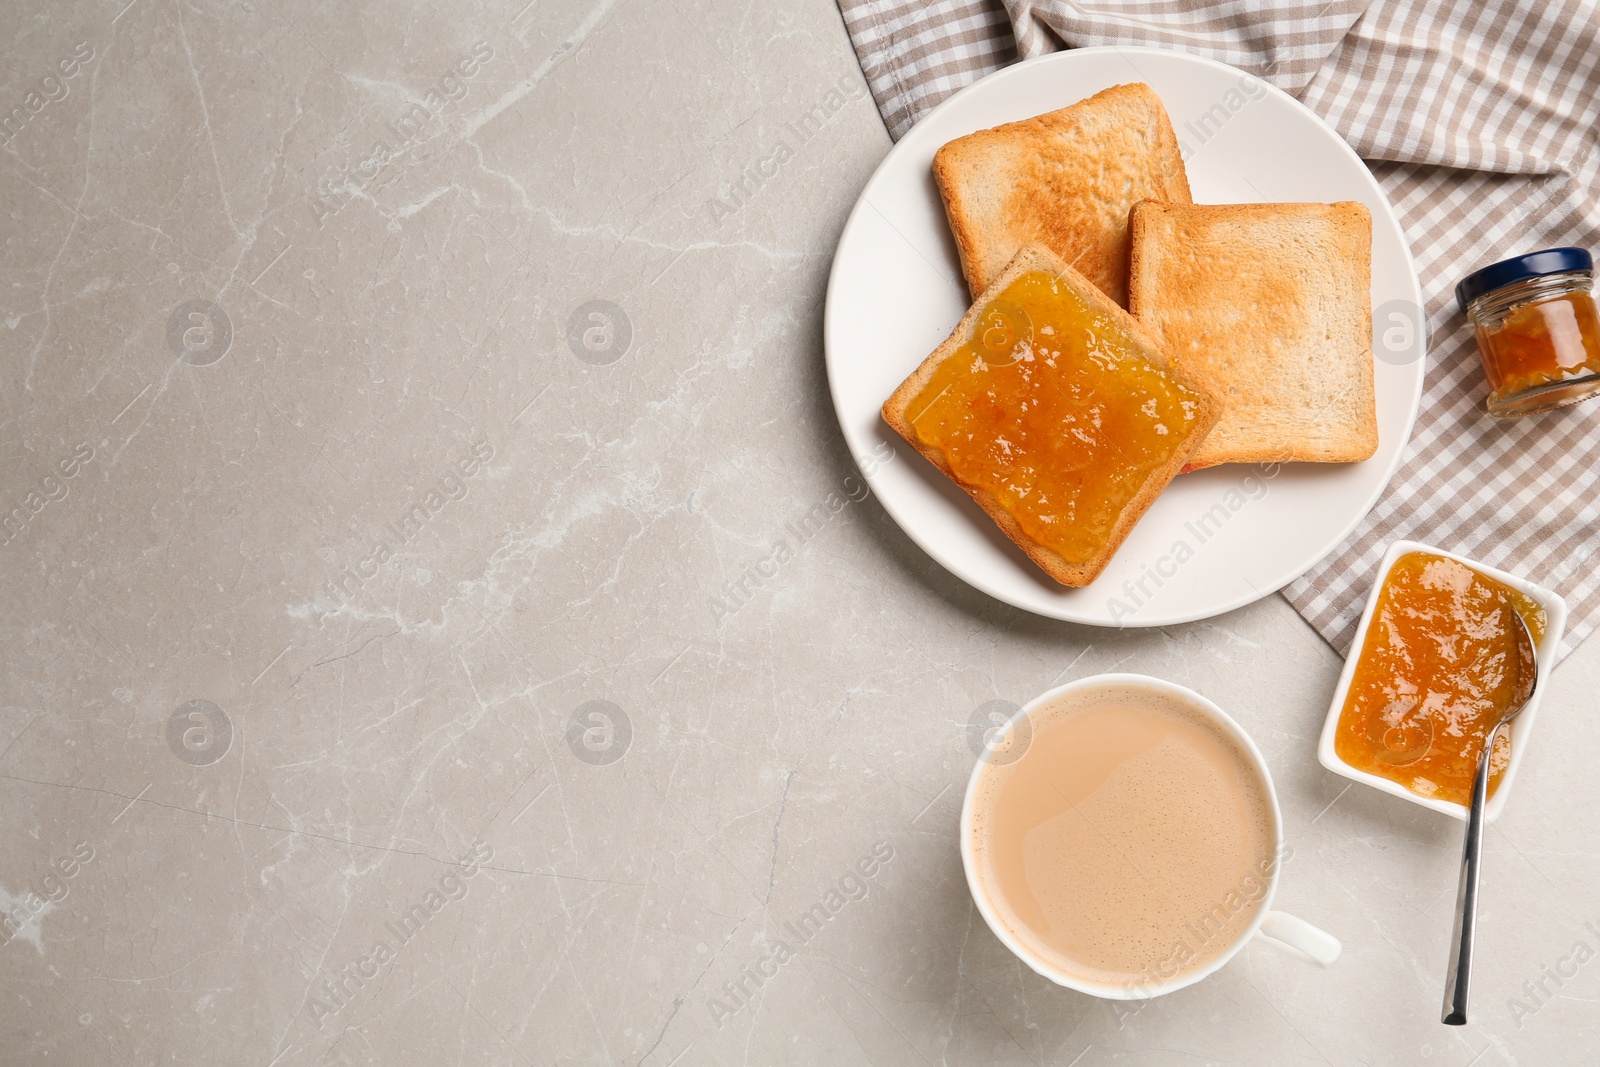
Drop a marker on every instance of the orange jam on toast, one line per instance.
(1054, 409)
(1437, 669)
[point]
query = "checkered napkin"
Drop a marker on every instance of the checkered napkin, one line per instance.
(1478, 118)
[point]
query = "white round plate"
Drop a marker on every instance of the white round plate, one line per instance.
(1215, 540)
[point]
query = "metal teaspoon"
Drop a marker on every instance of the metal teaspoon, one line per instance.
(1460, 975)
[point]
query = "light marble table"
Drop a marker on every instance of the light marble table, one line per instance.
(382, 389)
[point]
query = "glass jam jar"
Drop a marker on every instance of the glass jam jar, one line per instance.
(1538, 330)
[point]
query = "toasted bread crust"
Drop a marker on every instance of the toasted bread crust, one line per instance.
(1269, 305)
(1064, 180)
(1031, 258)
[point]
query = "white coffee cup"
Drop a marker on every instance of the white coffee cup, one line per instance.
(1275, 927)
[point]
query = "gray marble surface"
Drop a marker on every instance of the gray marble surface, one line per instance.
(383, 387)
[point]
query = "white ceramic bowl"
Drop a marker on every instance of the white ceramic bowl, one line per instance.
(1555, 610)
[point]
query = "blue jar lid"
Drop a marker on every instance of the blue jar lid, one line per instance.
(1520, 268)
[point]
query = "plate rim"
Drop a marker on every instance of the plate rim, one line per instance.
(918, 134)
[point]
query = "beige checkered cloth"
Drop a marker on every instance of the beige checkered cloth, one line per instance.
(1478, 118)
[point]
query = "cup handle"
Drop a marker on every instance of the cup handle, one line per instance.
(1299, 938)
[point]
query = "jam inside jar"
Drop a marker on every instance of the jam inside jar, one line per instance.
(1538, 330)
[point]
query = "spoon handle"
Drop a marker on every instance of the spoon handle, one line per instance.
(1460, 976)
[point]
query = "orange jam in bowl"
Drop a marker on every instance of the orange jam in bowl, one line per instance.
(1538, 330)
(1054, 409)
(1436, 671)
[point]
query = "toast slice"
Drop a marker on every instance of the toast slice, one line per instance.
(1055, 412)
(1269, 306)
(1064, 180)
